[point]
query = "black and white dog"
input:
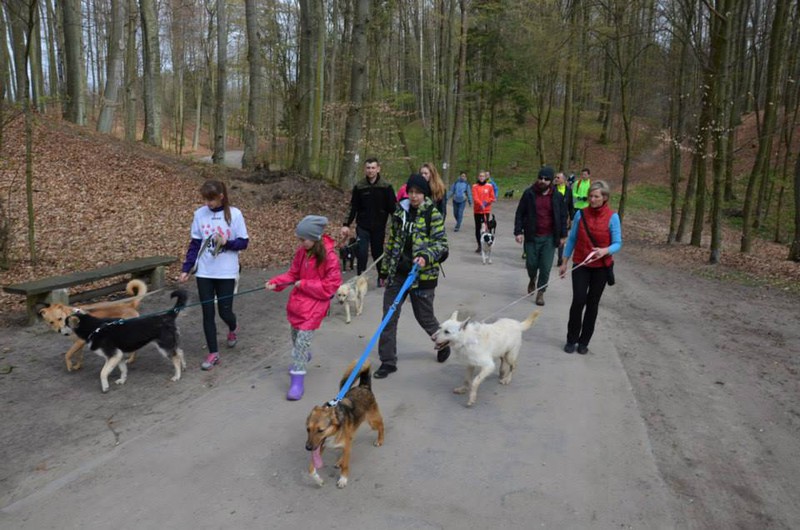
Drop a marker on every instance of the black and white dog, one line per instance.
(347, 254)
(111, 338)
(488, 228)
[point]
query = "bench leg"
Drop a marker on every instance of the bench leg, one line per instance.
(157, 277)
(59, 296)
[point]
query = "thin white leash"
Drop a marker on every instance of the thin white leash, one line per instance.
(371, 266)
(590, 258)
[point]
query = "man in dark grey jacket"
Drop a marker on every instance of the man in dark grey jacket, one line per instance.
(541, 225)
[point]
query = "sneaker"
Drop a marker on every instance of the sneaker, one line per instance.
(443, 354)
(212, 359)
(232, 338)
(381, 282)
(583, 349)
(569, 347)
(384, 371)
(540, 298)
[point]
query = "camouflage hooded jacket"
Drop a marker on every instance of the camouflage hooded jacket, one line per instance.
(428, 246)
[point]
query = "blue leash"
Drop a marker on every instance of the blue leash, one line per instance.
(342, 391)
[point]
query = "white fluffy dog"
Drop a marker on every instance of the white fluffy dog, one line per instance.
(352, 292)
(478, 345)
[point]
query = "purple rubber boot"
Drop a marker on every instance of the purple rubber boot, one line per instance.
(296, 388)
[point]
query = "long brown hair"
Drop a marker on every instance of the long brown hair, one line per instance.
(319, 251)
(438, 189)
(213, 189)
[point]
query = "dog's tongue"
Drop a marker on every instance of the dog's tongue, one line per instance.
(316, 458)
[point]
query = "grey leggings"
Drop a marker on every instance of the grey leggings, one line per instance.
(301, 349)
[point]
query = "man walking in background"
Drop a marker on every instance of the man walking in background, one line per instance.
(371, 204)
(540, 224)
(580, 191)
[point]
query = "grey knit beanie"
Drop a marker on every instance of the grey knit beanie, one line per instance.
(311, 227)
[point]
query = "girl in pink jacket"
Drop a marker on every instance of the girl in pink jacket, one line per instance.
(315, 275)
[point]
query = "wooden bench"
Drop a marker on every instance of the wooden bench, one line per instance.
(56, 289)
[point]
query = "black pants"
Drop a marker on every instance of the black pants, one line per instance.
(588, 284)
(368, 240)
(421, 303)
(207, 288)
(480, 218)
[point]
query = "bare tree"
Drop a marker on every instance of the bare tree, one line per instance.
(116, 65)
(75, 103)
(352, 135)
(220, 125)
(151, 80)
(255, 101)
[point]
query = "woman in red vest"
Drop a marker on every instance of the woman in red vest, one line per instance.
(595, 236)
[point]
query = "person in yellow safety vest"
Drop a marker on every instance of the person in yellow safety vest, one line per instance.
(580, 190)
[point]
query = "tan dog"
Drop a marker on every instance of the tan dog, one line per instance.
(352, 292)
(480, 344)
(340, 422)
(55, 315)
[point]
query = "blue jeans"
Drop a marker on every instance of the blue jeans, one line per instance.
(458, 211)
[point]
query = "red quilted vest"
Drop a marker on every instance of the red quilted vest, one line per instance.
(598, 220)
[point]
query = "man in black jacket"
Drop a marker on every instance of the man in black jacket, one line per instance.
(371, 204)
(541, 224)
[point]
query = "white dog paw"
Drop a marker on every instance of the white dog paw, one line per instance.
(459, 390)
(175, 378)
(120, 381)
(317, 479)
(342, 482)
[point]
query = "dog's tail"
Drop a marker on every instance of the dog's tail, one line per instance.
(180, 303)
(137, 289)
(365, 377)
(528, 322)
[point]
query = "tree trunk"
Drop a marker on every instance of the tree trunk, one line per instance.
(131, 69)
(151, 85)
(255, 100)
(75, 104)
(220, 125)
(116, 65)
(794, 249)
(358, 74)
(761, 163)
(722, 24)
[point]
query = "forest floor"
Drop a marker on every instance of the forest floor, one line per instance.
(709, 353)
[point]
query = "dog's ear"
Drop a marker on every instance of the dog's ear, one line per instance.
(464, 324)
(40, 308)
(73, 321)
(454, 316)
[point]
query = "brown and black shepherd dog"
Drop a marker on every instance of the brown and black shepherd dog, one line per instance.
(338, 424)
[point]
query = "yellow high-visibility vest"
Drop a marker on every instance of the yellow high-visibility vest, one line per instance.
(580, 193)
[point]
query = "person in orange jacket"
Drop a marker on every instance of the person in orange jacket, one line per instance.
(482, 198)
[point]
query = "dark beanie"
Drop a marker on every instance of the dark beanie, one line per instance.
(546, 172)
(311, 227)
(418, 181)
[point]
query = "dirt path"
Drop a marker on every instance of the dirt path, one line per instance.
(684, 415)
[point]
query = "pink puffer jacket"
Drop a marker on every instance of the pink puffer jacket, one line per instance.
(309, 302)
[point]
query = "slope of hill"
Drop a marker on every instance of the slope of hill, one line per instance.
(98, 200)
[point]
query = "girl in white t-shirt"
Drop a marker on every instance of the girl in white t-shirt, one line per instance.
(218, 234)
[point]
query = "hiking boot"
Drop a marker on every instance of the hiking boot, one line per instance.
(583, 349)
(212, 359)
(569, 347)
(443, 354)
(232, 338)
(540, 298)
(384, 371)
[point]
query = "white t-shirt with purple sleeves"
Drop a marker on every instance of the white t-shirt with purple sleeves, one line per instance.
(225, 264)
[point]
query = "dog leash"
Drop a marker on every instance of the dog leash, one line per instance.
(346, 386)
(590, 258)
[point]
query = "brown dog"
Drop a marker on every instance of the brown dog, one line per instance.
(56, 317)
(340, 422)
